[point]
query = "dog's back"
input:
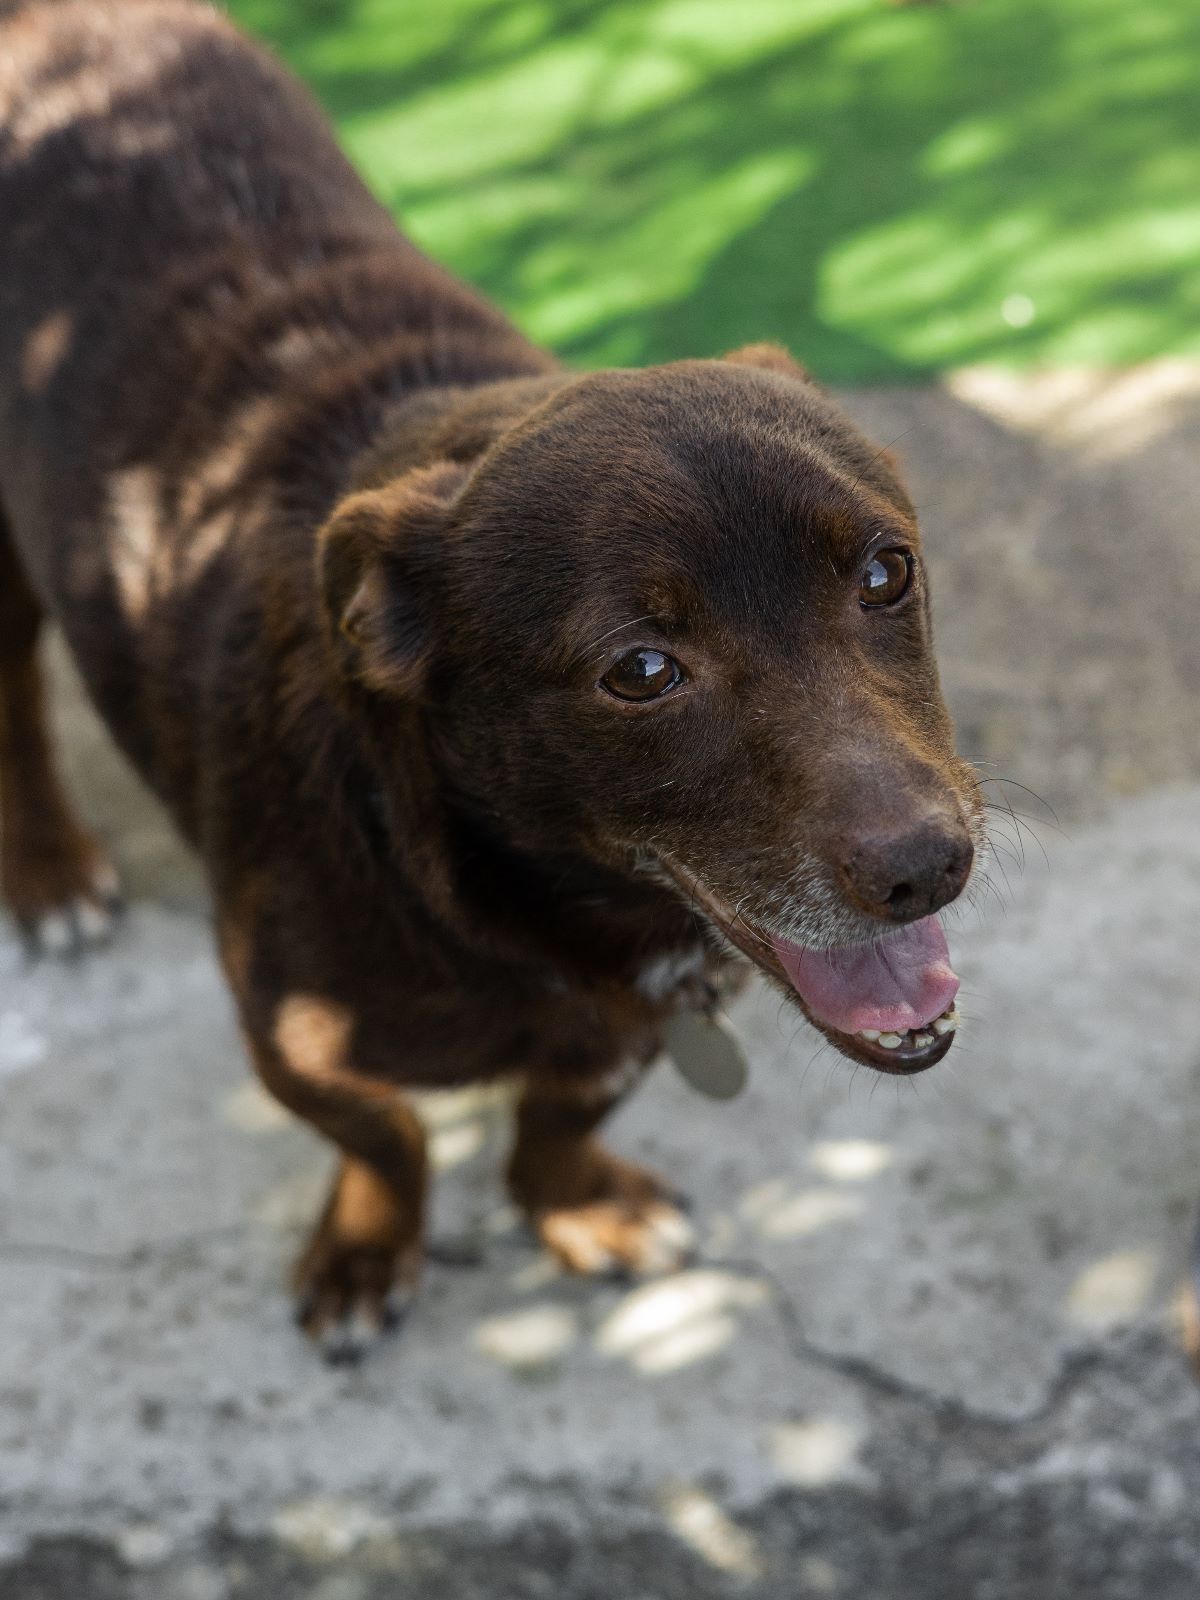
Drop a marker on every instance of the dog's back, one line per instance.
(172, 200)
(155, 171)
(202, 310)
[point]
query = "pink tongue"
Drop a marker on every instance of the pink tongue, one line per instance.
(903, 980)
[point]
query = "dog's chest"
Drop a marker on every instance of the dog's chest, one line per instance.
(572, 1027)
(672, 975)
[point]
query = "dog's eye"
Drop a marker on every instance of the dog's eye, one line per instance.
(886, 579)
(642, 675)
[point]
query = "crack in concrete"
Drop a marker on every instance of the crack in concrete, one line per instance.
(1074, 1368)
(450, 1253)
(455, 1255)
(48, 1252)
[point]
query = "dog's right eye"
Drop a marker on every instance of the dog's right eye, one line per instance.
(886, 579)
(642, 675)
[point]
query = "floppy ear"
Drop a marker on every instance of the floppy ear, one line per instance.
(769, 358)
(377, 571)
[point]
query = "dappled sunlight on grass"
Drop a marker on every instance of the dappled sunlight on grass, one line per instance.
(647, 179)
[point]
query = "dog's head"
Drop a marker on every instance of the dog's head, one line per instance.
(677, 620)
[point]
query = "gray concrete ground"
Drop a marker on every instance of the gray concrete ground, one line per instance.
(931, 1348)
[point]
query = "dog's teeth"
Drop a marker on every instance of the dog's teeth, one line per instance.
(946, 1024)
(872, 1034)
(922, 1039)
(890, 1041)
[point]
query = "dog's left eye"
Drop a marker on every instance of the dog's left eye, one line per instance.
(642, 675)
(886, 578)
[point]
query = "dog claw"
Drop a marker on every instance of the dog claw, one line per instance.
(349, 1300)
(67, 931)
(346, 1342)
(346, 1338)
(88, 918)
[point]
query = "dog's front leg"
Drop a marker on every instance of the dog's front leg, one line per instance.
(593, 1211)
(359, 1269)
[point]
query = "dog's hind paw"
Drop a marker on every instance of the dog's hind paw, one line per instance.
(614, 1237)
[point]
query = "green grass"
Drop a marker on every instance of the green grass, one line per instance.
(889, 190)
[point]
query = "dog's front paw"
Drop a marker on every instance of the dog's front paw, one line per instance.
(599, 1215)
(614, 1236)
(350, 1295)
(64, 899)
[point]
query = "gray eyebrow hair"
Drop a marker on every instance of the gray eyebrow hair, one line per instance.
(590, 650)
(902, 536)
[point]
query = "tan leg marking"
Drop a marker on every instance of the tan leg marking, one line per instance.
(593, 1211)
(361, 1265)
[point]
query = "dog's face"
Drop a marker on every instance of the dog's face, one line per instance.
(678, 620)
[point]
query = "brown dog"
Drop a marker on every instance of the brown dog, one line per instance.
(504, 706)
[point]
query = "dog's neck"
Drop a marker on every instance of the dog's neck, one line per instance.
(559, 911)
(449, 423)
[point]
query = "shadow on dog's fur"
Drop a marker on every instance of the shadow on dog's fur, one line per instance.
(504, 706)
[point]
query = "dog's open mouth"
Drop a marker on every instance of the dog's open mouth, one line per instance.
(889, 1002)
(893, 997)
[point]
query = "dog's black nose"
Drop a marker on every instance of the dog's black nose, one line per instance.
(909, 873)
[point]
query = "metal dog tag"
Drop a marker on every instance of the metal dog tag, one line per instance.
(706, 1050)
